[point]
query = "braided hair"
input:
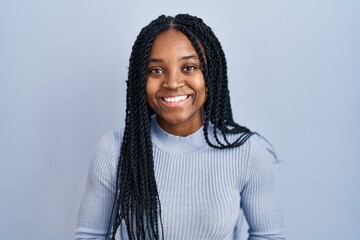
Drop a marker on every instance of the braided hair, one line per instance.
(137, 202)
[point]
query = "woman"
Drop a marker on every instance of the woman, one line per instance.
(181, 168)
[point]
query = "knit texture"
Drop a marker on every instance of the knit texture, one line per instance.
(203, 191)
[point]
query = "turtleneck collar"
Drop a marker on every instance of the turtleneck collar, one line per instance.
(176, 144)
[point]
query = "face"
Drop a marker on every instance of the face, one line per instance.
(175, 86)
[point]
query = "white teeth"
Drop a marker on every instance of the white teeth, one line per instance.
(175, 99)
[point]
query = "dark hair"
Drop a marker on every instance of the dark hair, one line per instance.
(137, 200)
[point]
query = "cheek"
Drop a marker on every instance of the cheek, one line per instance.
(200, 87)
(149, 88)
(150, 92)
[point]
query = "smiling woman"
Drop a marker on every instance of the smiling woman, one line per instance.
(182, 168)
(175, 85)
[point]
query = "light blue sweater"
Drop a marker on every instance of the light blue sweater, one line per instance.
(202, 190)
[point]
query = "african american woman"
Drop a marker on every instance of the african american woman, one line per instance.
(182, 168)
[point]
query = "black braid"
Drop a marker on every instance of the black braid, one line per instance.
(217, 107)
(137, 202)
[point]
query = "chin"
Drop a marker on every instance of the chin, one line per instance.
(174, 120)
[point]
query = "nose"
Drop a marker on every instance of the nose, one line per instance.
(173, 80)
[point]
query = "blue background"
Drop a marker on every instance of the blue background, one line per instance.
(294, 72)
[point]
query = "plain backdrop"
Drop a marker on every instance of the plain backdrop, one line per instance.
(294, 72)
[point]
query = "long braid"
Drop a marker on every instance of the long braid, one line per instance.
(217, 107)
(137, 202)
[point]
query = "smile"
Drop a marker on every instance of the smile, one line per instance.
(175, 99)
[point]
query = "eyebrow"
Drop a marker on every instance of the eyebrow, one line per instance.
(189, 57)
(155, 60)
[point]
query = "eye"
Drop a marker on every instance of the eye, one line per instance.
(155, 71)
(189, 68)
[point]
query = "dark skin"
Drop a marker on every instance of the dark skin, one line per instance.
(175, 86)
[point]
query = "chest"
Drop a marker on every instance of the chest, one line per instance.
(200, 195)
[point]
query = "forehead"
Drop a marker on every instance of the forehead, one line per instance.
(171, 42)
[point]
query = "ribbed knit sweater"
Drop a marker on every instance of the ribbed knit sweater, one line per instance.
(203, 191)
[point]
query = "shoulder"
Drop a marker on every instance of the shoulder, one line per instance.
(256, 146)
(260, 148)
(260, 159)
(110, 138)
(106, 154)
(109, 143)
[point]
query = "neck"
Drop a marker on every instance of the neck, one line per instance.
(180, 129)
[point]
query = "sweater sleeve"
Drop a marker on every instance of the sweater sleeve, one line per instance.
(258, 197)
(97, 202)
